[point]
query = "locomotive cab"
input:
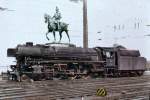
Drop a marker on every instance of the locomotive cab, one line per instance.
(109, 55)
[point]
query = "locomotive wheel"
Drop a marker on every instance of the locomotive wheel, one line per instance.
(75, 77)
(86, 77)
(133, 73)
(72, 77)
(140, 73)
(94, 75)
(62, 77)
(48, 77)
(25, 78)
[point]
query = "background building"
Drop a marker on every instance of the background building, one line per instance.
(148, 65)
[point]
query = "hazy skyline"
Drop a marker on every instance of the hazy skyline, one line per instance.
(119, 21)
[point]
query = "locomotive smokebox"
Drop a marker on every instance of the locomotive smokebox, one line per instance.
(11, 52)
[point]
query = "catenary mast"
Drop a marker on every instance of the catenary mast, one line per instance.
(85, 25)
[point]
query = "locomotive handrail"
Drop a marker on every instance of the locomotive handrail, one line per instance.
(67, 61)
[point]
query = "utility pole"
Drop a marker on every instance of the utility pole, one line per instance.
(85, 25)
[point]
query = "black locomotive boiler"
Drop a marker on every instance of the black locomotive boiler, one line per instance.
(66, 61)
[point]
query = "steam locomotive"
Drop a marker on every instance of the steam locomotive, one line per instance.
(66, 61)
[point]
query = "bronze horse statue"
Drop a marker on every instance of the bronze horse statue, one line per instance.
(55, 27)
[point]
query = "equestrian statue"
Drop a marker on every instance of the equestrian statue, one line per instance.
(55, 25)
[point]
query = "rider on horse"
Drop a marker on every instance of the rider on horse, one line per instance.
(57, 17)
(55, 25)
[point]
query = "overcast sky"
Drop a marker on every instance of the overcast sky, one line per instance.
(26, 23)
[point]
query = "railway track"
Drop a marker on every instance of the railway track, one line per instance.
(68, 89)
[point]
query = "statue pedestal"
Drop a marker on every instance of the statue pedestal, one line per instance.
(60, 44)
